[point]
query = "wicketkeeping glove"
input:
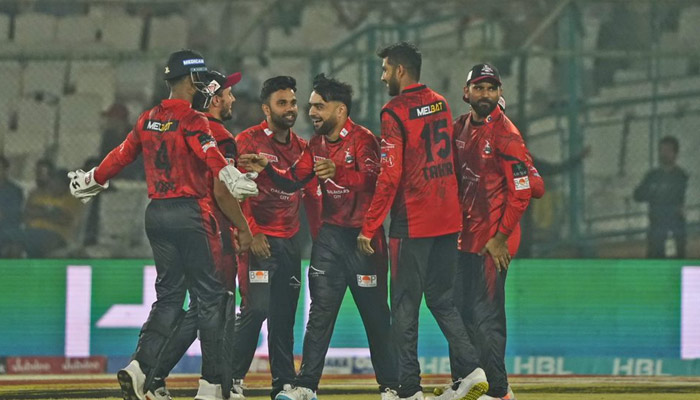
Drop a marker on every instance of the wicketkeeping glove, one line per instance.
(239, 184)
(83, 185)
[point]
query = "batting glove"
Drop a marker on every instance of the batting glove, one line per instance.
(239, 184)
(83, 185)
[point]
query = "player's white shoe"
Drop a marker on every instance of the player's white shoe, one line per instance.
(208, 391)
(131, 380)
(296, 393)
(390, 394)
(472, 386)
(159, 394)
(237, 390)
(416, 396)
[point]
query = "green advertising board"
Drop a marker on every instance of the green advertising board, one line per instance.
(573, 316)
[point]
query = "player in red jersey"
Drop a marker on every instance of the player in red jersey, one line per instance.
(497, 180)
(181, 160)
(270, 277)
(217, 108)
(345, 158)
(417, 182)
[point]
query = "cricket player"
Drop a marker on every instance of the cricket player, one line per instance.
(183, 168)
(345, 158)
(417, 183)
(217, 108)
(270, 276)
(496, 181)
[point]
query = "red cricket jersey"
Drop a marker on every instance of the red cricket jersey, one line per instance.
(417, 179)
(273, 211)
(497, 179)
(224, 139)
(227, 147)
(347, 196)
(179, 153)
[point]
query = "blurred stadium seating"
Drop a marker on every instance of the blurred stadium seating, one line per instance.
(65, 63)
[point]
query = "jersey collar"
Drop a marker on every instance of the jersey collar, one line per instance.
(347, 128)
(176, 103)
(269, 133)
(212, 118)
(413, 88)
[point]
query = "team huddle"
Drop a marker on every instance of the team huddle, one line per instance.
(224, 205)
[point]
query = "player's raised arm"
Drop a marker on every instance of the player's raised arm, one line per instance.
(86, 185)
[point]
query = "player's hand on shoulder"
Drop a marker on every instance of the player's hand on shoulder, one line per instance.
(325, 168)
(83, 185)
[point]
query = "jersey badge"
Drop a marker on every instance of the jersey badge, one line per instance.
(367, 280)
(259, 276)
(348, 157)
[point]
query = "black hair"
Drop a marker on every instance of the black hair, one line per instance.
(672, 141)
(274, 84)
(403, 53)
(333, 90)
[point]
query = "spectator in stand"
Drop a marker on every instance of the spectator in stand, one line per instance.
(664, 189)
(115, 124)
(51, 213)
(11, 203)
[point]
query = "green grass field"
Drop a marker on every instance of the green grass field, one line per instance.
(17, 387)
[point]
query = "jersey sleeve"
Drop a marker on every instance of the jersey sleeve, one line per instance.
(389, 177)
(513, 160)
(200, 140)
(364, 179)
(296, 176)
(118, 158)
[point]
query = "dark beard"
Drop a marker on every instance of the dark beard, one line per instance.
(326, 127)
(394, 86)
(483, 108)
(226, 115)
(281, 122)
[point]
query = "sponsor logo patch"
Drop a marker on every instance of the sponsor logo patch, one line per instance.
(259, 276)
(460, 144)
(427, 109)
(519, 170)
(270, 157)
(318, 158)
(160, 126)
(315, 271)
(294, 282)
(367, 280)
(191, 61)
(522, 183)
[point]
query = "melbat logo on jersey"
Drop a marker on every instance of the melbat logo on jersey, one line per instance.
(427, 109)
(159, 126)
